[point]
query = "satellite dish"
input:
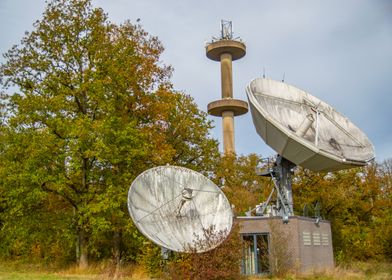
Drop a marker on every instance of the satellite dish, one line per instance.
(175, 206)
(304, 129)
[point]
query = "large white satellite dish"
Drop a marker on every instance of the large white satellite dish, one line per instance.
(304, 129)
(174, 206)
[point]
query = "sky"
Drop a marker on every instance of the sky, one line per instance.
(339, 51)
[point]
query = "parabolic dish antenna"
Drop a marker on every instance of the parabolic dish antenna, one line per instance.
(175, 206)
(304, 129)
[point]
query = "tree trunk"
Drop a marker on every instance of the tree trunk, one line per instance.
(117, 237)
(83, 257)
(77, 248)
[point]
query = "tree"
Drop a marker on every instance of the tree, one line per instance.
(240, 183)
(354, 201)
(93, 108)
(385, 225)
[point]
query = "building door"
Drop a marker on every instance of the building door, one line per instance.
(255, 253)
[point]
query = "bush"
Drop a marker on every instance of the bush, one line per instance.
(222, 262)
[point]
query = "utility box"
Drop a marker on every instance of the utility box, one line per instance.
(301, 245)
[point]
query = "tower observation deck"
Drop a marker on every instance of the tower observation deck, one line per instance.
(226, 49)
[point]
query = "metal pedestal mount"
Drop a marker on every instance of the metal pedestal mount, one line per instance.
(280, 172)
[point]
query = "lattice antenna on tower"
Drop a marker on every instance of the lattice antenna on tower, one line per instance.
(226, 30)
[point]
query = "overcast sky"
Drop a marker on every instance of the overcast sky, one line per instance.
(339, 51)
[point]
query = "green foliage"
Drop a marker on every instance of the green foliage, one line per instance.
(152, 260)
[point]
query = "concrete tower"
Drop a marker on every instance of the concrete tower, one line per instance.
(226, 49)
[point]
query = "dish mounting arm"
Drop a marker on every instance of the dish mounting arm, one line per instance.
(281, 174)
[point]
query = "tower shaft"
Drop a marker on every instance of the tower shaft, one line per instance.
(226, 75)
(228, 132)
(227, 92)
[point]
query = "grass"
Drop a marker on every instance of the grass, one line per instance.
(101, 271)
(352, 271)
(40, 276)
(106, 271)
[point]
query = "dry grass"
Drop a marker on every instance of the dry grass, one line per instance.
(353, 271)
(106, 271)
(101, 271)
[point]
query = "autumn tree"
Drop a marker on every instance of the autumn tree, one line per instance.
(355, 202)
(384, 231)
(89, 105)
(239, 181)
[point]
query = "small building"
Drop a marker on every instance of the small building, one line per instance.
(301, 245)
